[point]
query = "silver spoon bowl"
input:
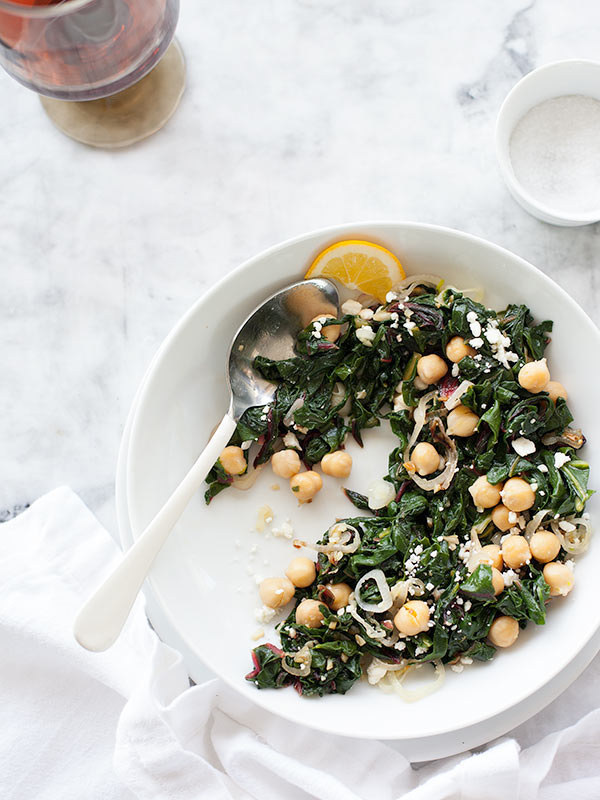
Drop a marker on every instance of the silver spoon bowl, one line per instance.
(270, 331)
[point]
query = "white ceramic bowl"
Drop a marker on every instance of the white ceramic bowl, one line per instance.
(200, 578)
(553, 80)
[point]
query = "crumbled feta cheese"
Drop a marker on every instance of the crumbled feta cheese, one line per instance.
(365, 334)
(509, 576)
(410, 326)
(291, 440)
(361, 395)
(512, 517)
(560, 459)
(523, 447)
(351, 307)
(456, 667)
(429, 586)
(284, 531)
(466, 660)
(367, 313)
(477, 342)
(264, 614)
(455, 370)
(468, 605)
(543, 468)
(247, 444)
(390, 297)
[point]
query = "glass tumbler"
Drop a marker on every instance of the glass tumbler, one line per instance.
(108, 71)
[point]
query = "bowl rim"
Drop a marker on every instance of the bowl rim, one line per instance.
(503, 143)
(331, 231)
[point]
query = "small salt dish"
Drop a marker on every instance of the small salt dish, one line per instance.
(568, 80)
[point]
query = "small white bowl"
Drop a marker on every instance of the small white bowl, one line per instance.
(545, 83)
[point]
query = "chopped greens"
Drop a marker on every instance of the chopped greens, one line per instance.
(424, 541)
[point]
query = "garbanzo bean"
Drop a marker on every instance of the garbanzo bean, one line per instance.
(517, 495)
(559, 578)
(497, 581)
(337, 595)
(305, 485)
(555, 390)
(308, 613)
(461, 421)
(301, 571)
(337, 464)
(515, 551)
(485, 494)
(329, 332)
(431, 368)
(233, 460)
(534, 376)
(457, 349)
(544, 546)
(425, 458)
(503, 631)
(412, 618)
(500, 517)
(285, 463)
(490, 554)
(276, 592)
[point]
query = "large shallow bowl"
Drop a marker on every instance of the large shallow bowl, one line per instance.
(204, 579)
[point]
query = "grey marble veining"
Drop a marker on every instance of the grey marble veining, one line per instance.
(297, 114)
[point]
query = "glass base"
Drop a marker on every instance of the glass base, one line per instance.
(128, 116)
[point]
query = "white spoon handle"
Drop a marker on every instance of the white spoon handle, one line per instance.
(101, 619)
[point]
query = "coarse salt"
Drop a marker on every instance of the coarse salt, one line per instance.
(555, 153)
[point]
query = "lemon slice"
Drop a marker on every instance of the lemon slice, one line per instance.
(364, 266)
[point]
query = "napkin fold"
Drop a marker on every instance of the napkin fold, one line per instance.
(127, 723)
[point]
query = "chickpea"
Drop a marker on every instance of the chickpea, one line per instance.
(534, 376)
(544, 546)
(517, 495)
(340, 592)
(500, 517)
(412, 618)
(308, 613)
(484, 494)
(276, 592)
(515, 551)
(337, 464)
(301, 571)
(305, 485)
(431, 368)
(425, 458)
(461, 421)
(497, 581)
(285, 463)
(555, 390)
(331, 332)
(503, 631)
(233, 460)
(559, 578)
(457, 349)
(490, 554)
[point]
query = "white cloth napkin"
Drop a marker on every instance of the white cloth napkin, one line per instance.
(127, 724)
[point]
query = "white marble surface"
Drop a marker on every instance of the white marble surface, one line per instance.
(297, 114)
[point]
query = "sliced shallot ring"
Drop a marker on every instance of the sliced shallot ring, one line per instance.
(288, 420)
(442, 481)
(333, 547)
(303, 656)
(535, 522)
(392, 682)
(454, 399)
(573, 546)
(386, 601)
(419, 417)
(244, 482)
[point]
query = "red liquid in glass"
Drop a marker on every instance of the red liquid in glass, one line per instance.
(90, 52)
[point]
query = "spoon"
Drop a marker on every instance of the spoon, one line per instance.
(270, 331)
